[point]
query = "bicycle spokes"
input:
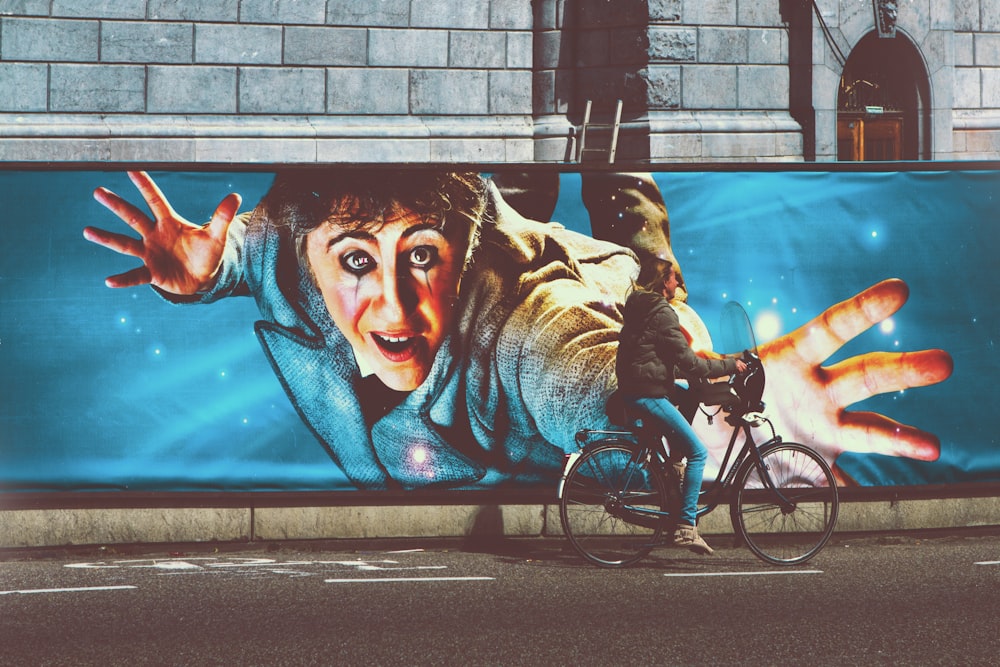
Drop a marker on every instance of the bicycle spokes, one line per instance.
(604, 499)
(786, 504)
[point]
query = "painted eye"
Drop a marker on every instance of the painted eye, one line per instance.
(357, 262)
(423, 257)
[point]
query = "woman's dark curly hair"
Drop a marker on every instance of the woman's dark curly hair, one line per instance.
(359, 198)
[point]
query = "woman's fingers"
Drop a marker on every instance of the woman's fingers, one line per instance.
(137, 276)
(867, 375)
(130, 214)
(827, 333)
(151, 192)
(872, 433)
(120, 243)
(224, 214)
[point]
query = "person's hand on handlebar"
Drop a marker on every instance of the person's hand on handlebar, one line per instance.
(741, 366)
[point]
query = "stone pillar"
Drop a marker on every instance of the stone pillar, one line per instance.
(718, 83)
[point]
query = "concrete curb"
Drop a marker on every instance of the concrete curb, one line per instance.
(31, 528)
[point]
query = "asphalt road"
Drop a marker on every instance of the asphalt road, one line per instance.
(893, 600)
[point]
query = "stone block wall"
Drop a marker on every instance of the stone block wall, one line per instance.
(485, 81)
(266, 80)
(959, 46)
(719, 80)
(700, 80)
(977, 80)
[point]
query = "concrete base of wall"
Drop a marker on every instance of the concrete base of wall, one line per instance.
(76, 527)
(975, 136)
(681, 136)
(188, 140)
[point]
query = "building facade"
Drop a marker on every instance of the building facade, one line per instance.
(497, 81)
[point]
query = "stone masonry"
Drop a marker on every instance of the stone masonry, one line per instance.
(484, 81)
(291, 81)
(976, 98)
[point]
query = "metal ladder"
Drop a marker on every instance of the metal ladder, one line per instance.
(583, 149)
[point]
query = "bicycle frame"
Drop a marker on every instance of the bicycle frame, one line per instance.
(714, 496)
(618, 494)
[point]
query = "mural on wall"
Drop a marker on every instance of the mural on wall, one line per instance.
(422, 329)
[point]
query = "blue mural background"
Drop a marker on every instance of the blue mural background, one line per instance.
(788, 245)
(117, 389)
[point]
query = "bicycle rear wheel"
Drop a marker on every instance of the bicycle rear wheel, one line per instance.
(787, 510)
(599, 488)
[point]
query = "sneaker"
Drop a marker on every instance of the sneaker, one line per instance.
(687, 537)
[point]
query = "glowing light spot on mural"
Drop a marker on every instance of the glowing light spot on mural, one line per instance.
(874, 234)
(887, 326)
(768, 325)
(420, 461)
(419, 455)
(774, 300)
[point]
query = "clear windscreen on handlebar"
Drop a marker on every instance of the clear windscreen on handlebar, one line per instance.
(735, 331)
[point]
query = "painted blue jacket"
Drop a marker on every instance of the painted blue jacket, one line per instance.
(530, 360)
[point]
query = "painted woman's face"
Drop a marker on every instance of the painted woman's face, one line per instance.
(391, 290)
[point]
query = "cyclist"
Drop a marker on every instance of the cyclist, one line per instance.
(651, 349)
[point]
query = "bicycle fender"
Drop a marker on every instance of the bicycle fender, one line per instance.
(570, 460)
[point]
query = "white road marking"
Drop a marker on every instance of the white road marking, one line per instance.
(172, 565)
(69, 590)
(740, 574)
(988, 562)
(184, 565)
(212, 563)
(374, 580)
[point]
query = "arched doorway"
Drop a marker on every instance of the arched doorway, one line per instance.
(883, 106)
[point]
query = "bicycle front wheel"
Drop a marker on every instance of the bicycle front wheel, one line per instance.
(602, 505)
(786, 509)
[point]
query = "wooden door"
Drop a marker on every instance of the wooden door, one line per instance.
(866, 137)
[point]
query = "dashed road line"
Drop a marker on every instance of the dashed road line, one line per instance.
(68, 590)
(740, 574)
(383, 580)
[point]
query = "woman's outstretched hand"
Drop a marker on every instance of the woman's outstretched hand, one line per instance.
(177, 256)
(808, 402)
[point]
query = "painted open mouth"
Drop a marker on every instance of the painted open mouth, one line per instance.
(396, 348)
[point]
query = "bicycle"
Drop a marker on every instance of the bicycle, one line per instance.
(619, 493)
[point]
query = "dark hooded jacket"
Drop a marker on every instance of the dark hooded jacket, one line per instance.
(652, 350)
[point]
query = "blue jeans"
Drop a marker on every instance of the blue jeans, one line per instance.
(683, 441)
